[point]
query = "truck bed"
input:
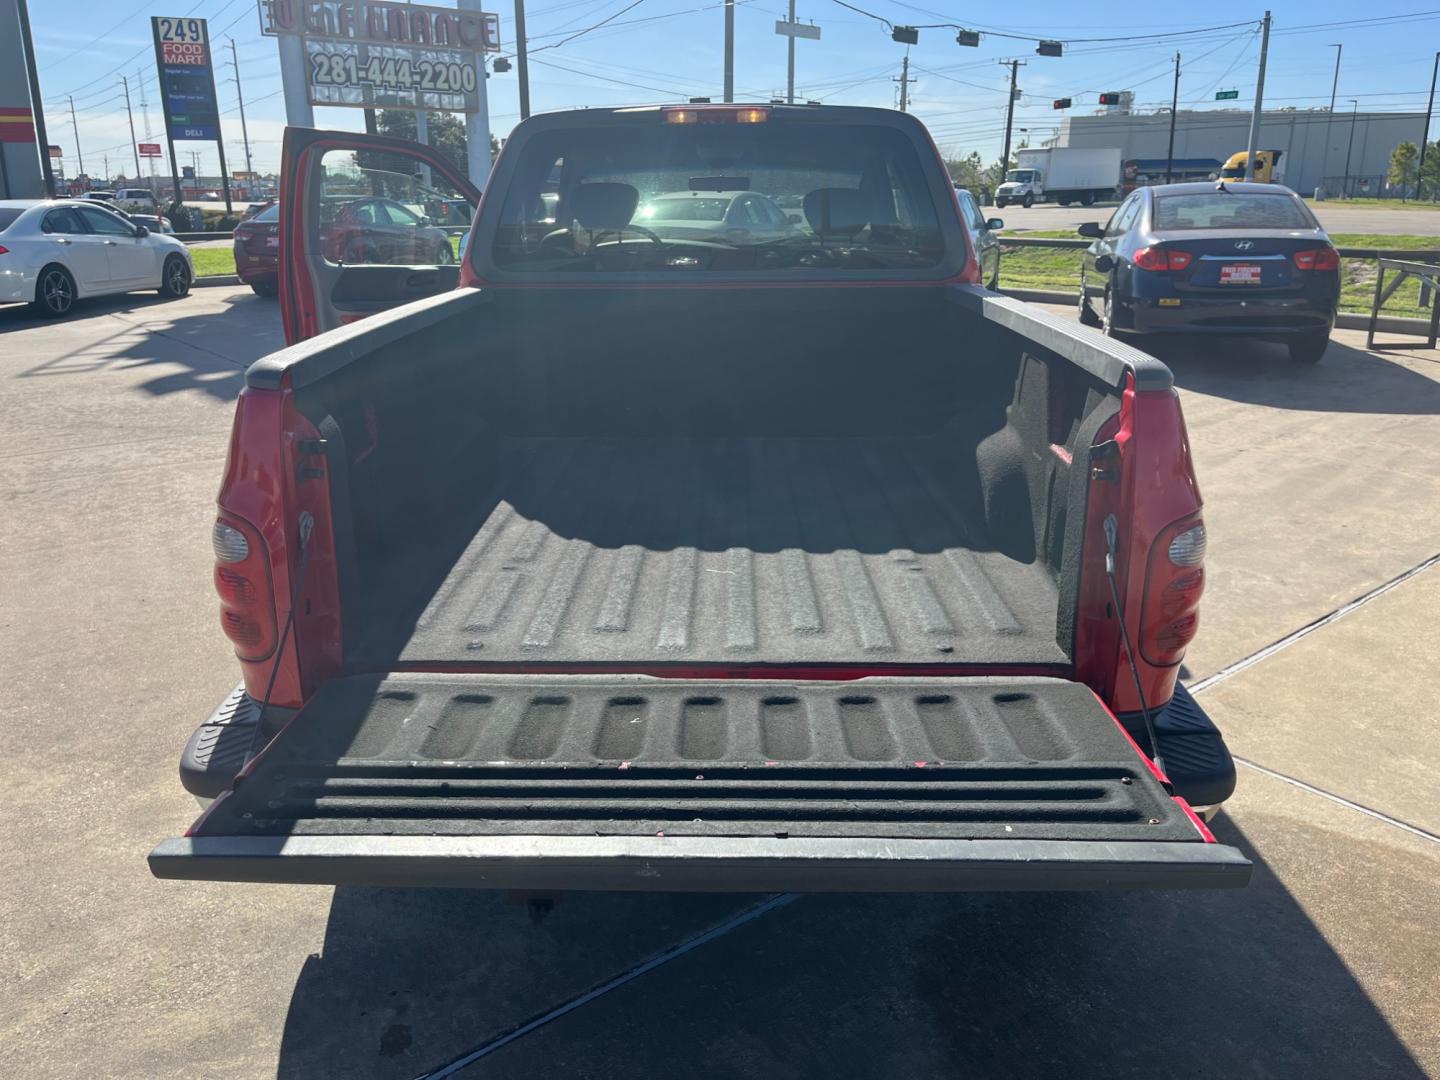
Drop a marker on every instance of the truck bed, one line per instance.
(754, 549)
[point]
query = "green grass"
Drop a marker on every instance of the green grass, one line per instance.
(213, 262)
(1380, 204)
(1057, 269)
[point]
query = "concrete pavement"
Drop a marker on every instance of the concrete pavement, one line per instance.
(1320, 484)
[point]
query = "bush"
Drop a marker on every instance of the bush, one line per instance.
(179, 215)
(227, 223)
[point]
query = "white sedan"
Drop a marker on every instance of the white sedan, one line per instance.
(56, 251)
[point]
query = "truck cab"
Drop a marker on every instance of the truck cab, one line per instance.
(1023, 186)
(1267, 168)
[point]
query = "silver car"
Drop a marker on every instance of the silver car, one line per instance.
(56, 251)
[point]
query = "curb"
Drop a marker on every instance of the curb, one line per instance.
(215, 279)
(1345, 320)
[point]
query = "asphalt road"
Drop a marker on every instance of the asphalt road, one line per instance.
(1321, 485)
(1334, 215)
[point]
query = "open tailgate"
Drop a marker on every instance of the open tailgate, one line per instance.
(631, 782)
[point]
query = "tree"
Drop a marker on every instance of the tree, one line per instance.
(966, 172)
(1430, 174)
(446, 133)
(1404, 166)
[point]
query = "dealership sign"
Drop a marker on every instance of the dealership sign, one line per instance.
(187, 80)
(372, 22)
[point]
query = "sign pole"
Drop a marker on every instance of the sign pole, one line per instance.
(790, 61)
(37, 107)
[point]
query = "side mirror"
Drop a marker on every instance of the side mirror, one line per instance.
(1104, 264)
(141, 232)
(424, 220)
(1091, 229)
(995, 224)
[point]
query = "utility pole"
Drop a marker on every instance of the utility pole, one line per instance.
(729, 51)
(133, 148)
(145, 121)
(1330, 116)
(790, 66)
(1425, 135)
(240, 96)
(1174, 104)
(522, 61)
(1259, 97)
(1354, 107)
(904, 80)
(1009, 113)
(75, 126)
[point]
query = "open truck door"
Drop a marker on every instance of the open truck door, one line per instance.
(367, 223)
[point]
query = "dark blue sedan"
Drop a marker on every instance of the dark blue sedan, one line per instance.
(1238, 259)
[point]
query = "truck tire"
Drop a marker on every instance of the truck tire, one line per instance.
(1028, 201)
(1000, 204)
(1064, 201)
(1088, 199)
(1309, 348)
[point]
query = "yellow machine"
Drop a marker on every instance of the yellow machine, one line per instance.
(1267, 167)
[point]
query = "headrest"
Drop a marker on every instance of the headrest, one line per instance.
(836, 211)
(604, 206)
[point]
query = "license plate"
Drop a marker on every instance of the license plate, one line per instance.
(272, 241)
(1240, 274)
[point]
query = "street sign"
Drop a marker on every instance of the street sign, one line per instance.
(55, 151)
(149, 149)
(1227, 95)
(187, 80)
(797, 30)
(187, 171)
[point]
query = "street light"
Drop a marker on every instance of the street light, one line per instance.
(1354, 105)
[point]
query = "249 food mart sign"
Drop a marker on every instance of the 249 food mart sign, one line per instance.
(187, 79)
(368, 53)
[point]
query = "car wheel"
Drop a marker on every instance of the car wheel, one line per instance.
(994, 283)
(1028, 201)
(1308, 349)
(175, 278)
(1107, 320)
(54, 293)
(445, 254)
(266, 287)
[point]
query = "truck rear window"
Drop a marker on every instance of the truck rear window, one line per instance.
(773, 197)
(1232, 210)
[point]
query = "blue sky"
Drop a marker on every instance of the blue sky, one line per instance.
(668, 49)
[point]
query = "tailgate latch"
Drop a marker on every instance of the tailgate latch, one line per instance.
(1105, 461)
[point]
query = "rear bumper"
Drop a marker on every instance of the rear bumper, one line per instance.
(703, 864)
(251, 268)
(1252, 317)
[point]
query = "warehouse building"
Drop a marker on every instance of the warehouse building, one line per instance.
(1313, 143)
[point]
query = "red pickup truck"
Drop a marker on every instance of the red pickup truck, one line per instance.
(746, 559)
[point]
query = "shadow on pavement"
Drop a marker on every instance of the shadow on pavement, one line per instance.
(984, 985)
(211, 346)
(1261, 373)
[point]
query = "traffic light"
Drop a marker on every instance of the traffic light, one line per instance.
(1062, 103)
(501, 65)
(906, 35)
(1049, 48)
(968, 37)
(1110, 97)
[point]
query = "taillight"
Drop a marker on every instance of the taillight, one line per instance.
(1174, 581)
(1326, 258)
(1162, 259)
(744, 114)
(4, 250)
(242, 581)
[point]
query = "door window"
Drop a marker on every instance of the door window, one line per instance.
(1124, 217)
(105, 223)
(64, 221)
(366, 194)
